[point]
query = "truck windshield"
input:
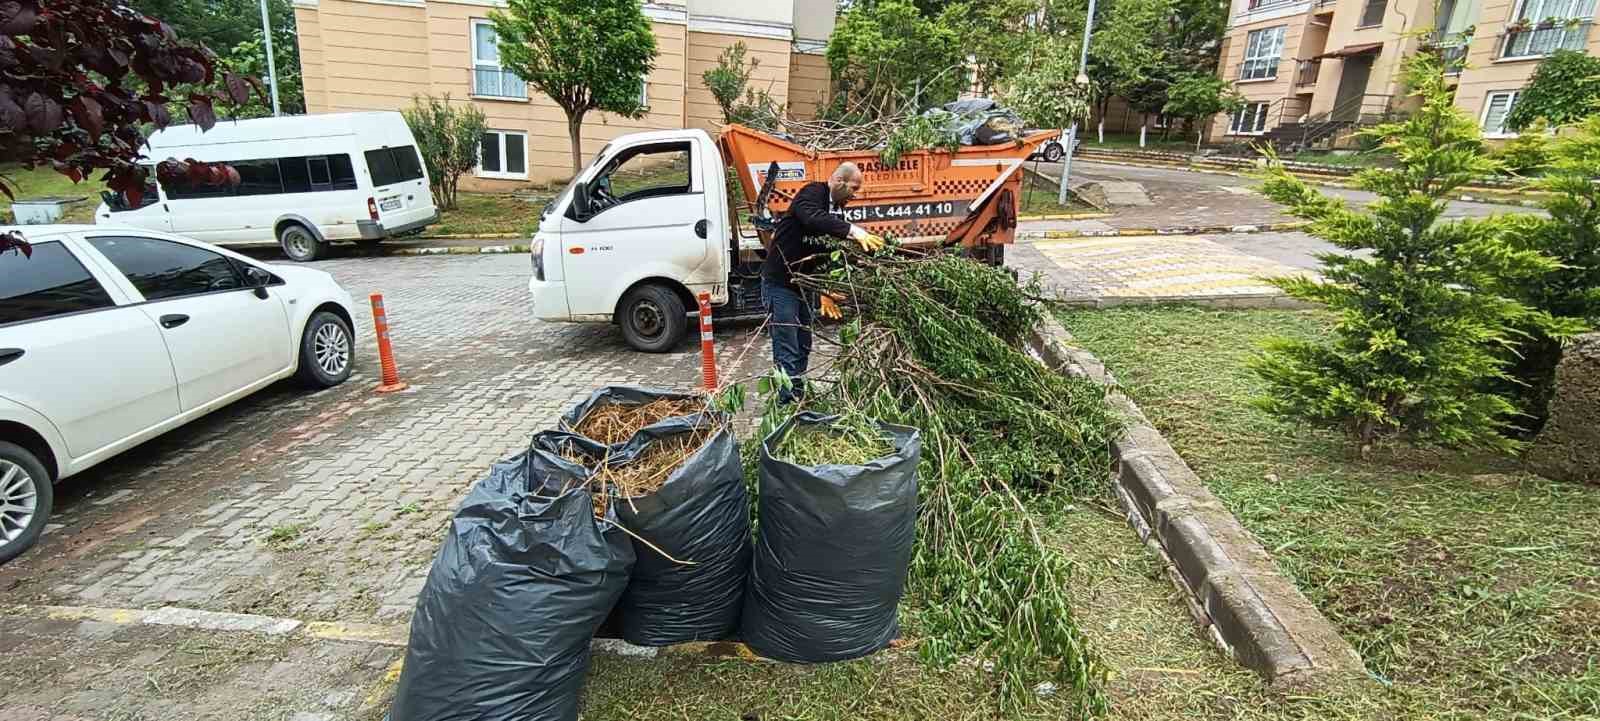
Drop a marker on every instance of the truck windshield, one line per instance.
(567, 191)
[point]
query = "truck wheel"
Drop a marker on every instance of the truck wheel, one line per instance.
(653, 318)
(25, 500)
(300, 244)
(1053, 153)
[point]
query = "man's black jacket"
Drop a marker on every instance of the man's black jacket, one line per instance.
(795, 248)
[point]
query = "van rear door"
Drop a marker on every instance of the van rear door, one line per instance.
(399, 186)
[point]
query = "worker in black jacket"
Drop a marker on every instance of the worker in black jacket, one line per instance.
(797, 247)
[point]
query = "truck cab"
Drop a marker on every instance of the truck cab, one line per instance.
(636, 236)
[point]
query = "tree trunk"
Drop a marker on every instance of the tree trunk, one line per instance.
(1142, 128)
(1101, 130)
(575, 134)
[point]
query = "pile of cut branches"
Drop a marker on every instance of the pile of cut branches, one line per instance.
(937, 344)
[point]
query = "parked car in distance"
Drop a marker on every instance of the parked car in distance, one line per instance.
(305, 181)
(1052, 151)
(112, 336)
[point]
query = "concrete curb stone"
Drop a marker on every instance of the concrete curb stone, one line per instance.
(1233, 587)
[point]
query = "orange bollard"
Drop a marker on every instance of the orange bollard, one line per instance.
(391, 374)
(708, 346)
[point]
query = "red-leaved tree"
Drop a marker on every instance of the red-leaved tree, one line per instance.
(81, 79)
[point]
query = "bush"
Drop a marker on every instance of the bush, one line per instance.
(1527, 153)
(1564, 88)
(729, 83)
(1421, 321)
(447, 137)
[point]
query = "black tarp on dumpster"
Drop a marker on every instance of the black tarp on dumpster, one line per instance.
(524, 577)
(700, 514)
(832, 551)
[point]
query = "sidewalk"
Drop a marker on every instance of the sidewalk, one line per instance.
(1152, 269)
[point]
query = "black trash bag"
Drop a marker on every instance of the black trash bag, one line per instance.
(525, 576)
(623, 395)
(700, 514)
(832, 551)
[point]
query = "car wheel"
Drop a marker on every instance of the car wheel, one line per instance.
(653, 318)
(327, 351)
(26, 496)
(1053, 153)
(300, 244)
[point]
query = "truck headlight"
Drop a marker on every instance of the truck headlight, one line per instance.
(538, 259)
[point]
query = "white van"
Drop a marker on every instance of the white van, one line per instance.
(305, 181)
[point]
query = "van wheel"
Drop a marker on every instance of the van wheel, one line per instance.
(653, 318)
(300, 244)
(1053, 153)
(327, 351)
(26, 497)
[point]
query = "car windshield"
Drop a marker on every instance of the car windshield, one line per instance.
(567, 191)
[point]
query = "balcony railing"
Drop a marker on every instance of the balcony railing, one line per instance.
(1452, 49)
(1306, 72)
(1255, 5)
(1542, 38)
(498, 83)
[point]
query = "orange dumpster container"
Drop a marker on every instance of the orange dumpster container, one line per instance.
(967, 197)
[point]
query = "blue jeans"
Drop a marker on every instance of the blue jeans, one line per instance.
(789, 314)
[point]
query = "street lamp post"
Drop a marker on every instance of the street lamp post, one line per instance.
(1082, 80)
(272, 69)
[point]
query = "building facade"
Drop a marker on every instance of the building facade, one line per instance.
(1312, 61)
(378, 54)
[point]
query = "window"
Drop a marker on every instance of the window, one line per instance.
(162, 269)
(1262, 51)
(393, 165)
(50, 282)
(1495, 109)
(1372, 13)
(645, 171)
(271, 176)
(503, 154)
(1542, 27)
(1249, 120)
(489, 80)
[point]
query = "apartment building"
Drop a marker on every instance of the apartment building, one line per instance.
(1309, 62)
(378, 54)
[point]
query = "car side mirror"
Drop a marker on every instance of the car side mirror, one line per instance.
(112, 201)
(256, 278)
(581, 208)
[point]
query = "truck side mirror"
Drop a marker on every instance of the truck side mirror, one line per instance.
(581, 209)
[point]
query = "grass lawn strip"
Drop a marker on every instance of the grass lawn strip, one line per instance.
(1470, 586)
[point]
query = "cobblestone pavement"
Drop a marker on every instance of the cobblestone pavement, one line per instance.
(1149, 268)
(329, 505)
(1186, 198)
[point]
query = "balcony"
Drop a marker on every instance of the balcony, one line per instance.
(1305, 74)
(1257, 5)
(498, 83)
(1536, 40)
(1452, 49)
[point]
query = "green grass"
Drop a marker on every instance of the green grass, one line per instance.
(1361, 159)
(44, 182)
(1152, 141)
(1039, 198)
(491, 213)
(1469, 585)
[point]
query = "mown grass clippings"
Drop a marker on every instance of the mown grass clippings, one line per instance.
(842, 444)
(612, 423)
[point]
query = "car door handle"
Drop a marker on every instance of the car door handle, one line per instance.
(173, 320)
(9, 354)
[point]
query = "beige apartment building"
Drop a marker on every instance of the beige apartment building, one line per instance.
(1330, 63)
(377, 54)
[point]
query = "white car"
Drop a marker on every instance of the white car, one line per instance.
(112, 336)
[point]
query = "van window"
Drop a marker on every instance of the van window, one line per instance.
(48, 282)
(271, 176)
(393, 165)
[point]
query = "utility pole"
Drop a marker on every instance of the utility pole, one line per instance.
(272, 68)
(1082, 80)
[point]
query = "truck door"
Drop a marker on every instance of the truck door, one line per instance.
(647, 209)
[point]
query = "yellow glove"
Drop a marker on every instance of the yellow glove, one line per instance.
(869, 241)
(829, 309)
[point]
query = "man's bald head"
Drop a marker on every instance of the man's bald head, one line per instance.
(845, 182)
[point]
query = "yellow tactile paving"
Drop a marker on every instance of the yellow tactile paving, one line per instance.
(1160, 266)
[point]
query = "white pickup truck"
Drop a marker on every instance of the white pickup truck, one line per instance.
(650, 222)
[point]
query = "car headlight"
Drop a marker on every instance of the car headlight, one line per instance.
(538, 259)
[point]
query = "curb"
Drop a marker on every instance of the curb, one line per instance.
(1476, 195)
(1230, 583)
(473, 236)
(1174, 230)
(1276, 301)
(1063, 216)
(458, 250)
